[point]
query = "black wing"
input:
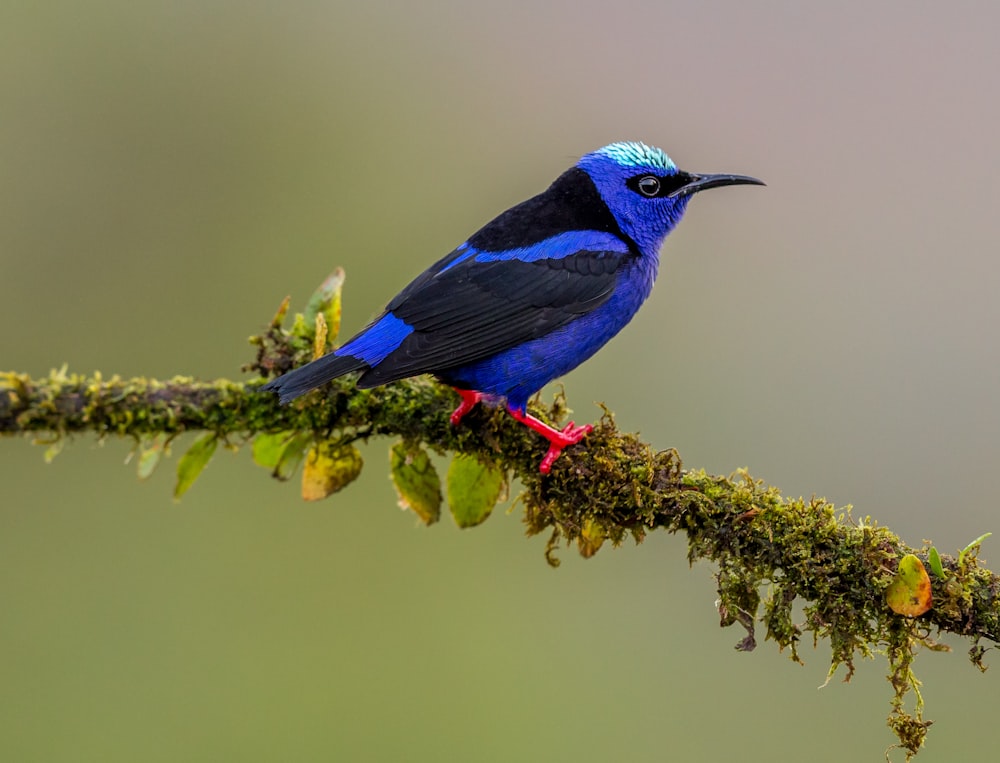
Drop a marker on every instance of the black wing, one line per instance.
(470, 310)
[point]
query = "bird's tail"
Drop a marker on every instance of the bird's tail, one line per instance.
(312, 375)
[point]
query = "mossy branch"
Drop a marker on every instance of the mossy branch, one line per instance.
(770, 550)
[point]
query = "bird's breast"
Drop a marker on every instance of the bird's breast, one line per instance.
(518, 373)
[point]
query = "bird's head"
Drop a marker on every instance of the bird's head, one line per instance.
(645, 191)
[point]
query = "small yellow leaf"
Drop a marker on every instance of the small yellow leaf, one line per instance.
(473, 490)
(416, 481)
(910, 591)
(329, 467)
(319, 338)
(591, 539)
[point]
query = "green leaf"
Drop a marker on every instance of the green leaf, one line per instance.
(326, 300)
(193, 462)
(291, 456)
(329, 467)
(974, 546)
(281, 452)
(909, 593)
(267, 448)
(151, 450)
(300, 328)
(934, 559)
(416, 481)
(473, 490)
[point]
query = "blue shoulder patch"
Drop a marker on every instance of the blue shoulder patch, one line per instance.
(462, 253)
(378, 340)
(559, 246)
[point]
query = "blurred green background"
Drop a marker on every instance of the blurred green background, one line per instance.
(170, 170)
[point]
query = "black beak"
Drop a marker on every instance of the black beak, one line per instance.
(703, 182)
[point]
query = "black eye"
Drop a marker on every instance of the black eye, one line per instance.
(648, 185)
(658, 186)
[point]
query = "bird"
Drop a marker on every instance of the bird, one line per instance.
(531, 295)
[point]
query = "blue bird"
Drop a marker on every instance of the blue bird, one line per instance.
(532, 294)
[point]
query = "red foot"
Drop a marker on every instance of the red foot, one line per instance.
(558, 439)
(469, 400)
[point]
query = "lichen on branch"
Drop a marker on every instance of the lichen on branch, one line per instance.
(772, 552)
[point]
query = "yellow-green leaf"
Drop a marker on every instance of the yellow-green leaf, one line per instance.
(193, 462)
(281, 452)
(299, 326)
(591, 538)
(326, 300)
(473, 490)
(974, 546)
(291, 455)
(329, 467)
(53, 450)
(934, 559)
(267, 448)
(416, 481)
(150, 452)
(909, 593)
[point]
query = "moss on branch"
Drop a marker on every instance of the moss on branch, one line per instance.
(772, 552)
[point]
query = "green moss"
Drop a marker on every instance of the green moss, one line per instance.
(773, 553)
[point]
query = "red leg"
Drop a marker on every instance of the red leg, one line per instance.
(558, 440)
(469, 400)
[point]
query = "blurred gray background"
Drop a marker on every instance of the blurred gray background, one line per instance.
(171, 170)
